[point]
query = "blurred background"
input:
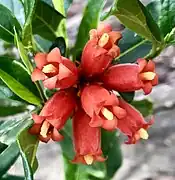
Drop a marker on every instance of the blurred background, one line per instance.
(153, 159)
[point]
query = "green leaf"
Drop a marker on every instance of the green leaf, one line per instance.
(89, 21)
(166, 19)
(10, 128)
(144, 106)
(2, 147)
(19, 89)
(7, 23)
(14, 6)
(8, 157)
(127, 96)
(29, 8)
(61, 44)
(48, 21)
(12, 177)
(11, 107)
(23, 54)
(135, 16)
(15, 76)
(111, 149)
(132, 47)
(28, 145)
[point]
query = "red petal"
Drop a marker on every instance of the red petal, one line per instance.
(45, 140)
(103, 28)
(37, 75)
(96, 121)
(114, 51)
(110, 125)
(119, 112)
(50, 83)
(37, 119)
(147, 88)
(123, 78)
(54, 56)
(40, 60)
(142, 64)
(35, 129)
(155, 81)
(150, 66)
(56, 136)
(64, 72)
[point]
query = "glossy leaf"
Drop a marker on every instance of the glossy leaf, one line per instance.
(8, 157)
(15, 76)
(111, 149)
(10, 128)
(7, 23)
(166, 19)
(11, 107)
(135, 16)
(144, 106)
(23, 54)
(132, 47)
(61, 44)
(2, 147)
(16, 7)
(28, 145)
(29, 9)
(46, 24)
(19, 89)
(127, 96)
(88, 22)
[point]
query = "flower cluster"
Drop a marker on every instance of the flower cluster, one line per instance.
(88, 94)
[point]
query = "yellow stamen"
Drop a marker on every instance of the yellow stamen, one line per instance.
(44, 129)
(143, 133)
(49, 69)
(107, 114)
(89, 159)
(148, 76)
(103, 40)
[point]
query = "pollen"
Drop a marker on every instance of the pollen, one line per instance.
(143, 134)
(103, 40)
(49, 69)
(89, 159)
(107, 114)
(44, 129)
(148, 76)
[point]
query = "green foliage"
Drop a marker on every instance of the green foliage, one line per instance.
(14, 75)
(11, 107)
(8, 157)
(48, 21)
(144, 106)
(28, 145)
(11, 177)
(67, 4)
(128, 96)
(7, 23)
(89, 21)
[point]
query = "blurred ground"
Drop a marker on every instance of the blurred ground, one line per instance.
(150, 160)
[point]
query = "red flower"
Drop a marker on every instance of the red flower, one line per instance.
(147, 74)
(131, 77)
(54, 70)
(87, 140)
(102, 107)
(100, 50)
(54, 115)
(133, 124)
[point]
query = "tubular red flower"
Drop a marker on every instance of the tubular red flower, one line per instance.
(147, 74)
(131, 77)
(54, 115)
(123, 78)
(133, 124)
(100, 50)
(101, 106)
(86, 139)
(54, 70)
